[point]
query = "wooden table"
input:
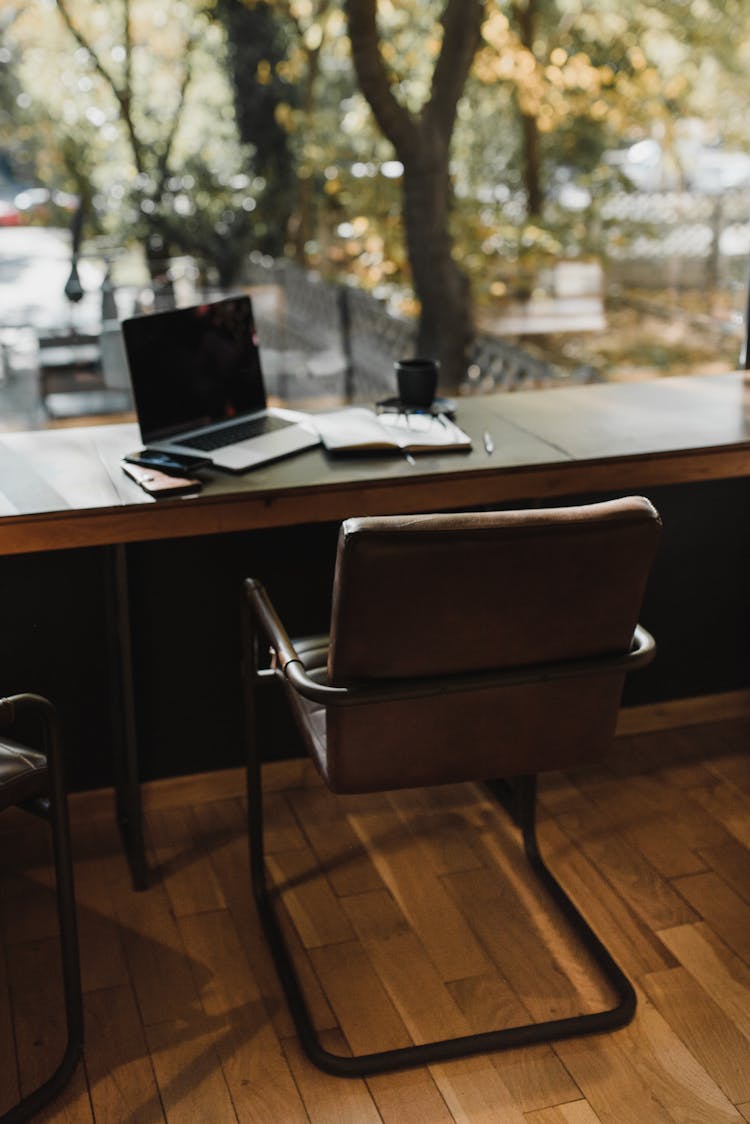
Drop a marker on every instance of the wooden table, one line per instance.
(64, 488)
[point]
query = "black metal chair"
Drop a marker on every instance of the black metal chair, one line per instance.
(33, 780)
(463, 647)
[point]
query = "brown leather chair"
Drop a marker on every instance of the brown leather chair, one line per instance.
(471, 647)
(33, 780)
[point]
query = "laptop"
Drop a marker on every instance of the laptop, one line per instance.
(198, 387)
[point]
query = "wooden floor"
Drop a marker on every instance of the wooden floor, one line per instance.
(415, 920)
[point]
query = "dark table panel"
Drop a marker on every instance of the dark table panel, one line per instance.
(682, 442)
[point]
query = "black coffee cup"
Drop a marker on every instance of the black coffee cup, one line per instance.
(417, 381)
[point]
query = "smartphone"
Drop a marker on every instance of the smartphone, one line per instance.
(173, 464)
(158, 483)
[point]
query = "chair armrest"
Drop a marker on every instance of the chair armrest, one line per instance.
(11, 709)
(262, 609)
(642, 651)
(13, 706)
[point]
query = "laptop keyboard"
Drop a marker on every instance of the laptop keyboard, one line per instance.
(231, 434)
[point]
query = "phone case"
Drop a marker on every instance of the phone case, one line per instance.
(159, 483)
(142, 458)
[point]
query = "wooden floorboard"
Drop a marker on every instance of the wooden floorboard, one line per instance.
(409, 916)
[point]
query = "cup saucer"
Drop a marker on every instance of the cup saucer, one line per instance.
(439, 405)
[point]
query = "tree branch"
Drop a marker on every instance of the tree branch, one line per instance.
(82, 41)
(127, 38)
(177, 115)
(122, 94)
(462, 22)
(395, 122)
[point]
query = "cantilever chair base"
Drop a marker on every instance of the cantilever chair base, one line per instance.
(366, 1065)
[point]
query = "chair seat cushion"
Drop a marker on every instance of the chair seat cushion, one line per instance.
(313, 652)
(23, 773)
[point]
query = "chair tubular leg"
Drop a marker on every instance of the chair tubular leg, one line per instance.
(365, 1065)
(26, 1108)
(54, 1085)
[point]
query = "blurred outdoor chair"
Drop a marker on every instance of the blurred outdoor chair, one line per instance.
(81, 375)
(33, 780)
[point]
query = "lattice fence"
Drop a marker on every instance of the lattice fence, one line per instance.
(335, 339)
(680, 239)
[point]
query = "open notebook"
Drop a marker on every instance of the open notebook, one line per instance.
(358, 430)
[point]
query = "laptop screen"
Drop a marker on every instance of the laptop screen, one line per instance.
(192, 367)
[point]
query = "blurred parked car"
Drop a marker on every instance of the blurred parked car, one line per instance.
(39, 204)
(9, 213)
(23, 203)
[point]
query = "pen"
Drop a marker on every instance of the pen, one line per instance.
(410, 459)
(489, 444)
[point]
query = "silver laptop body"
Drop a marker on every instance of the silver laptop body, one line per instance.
(198, 387)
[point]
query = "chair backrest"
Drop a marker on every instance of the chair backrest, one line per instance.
(441, 595)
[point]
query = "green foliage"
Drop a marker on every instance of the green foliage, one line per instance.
(202, 212)
(18, 142)
(216, 128)
(141, 108)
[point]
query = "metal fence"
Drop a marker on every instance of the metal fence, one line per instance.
(322, 338)
(678, 239)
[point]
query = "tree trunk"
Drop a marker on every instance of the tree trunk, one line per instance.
(157, 262)
(526, 15)
(301, 221)
(253, 35)
(445, 323)
(422, 143)
(531, 167)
